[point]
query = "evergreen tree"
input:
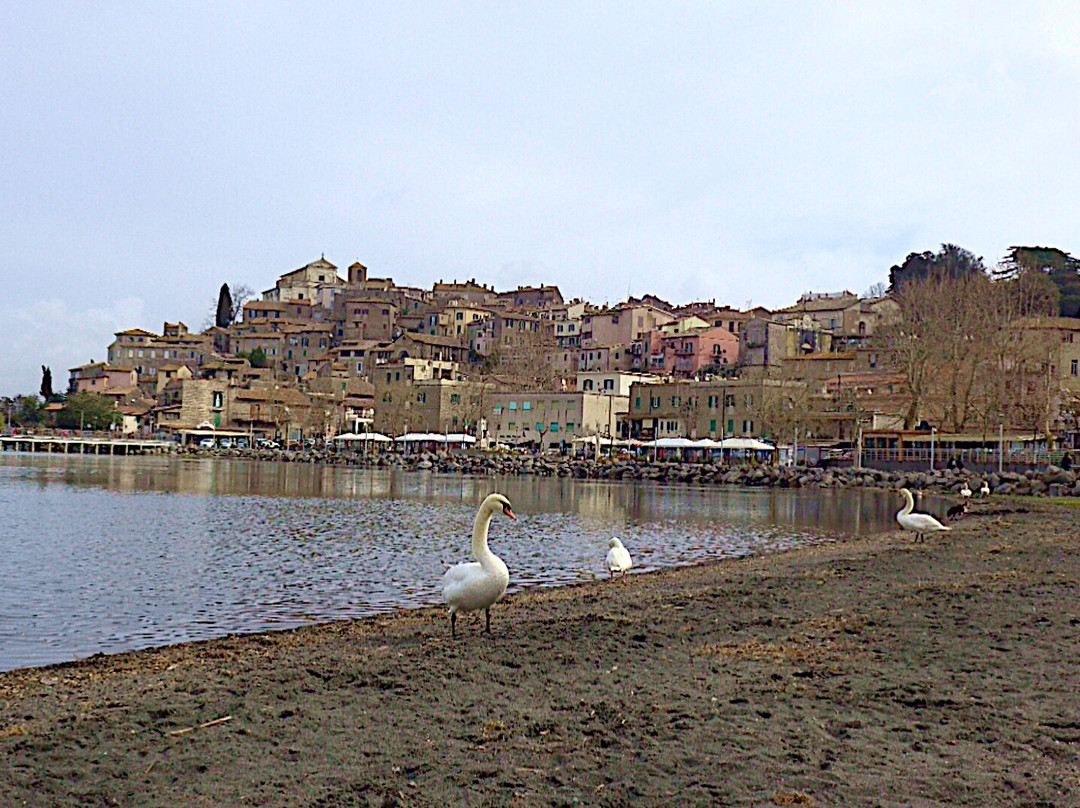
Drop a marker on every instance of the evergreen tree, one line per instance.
(950, 261)
(1057, 265)
(224, 307)
(46, 384)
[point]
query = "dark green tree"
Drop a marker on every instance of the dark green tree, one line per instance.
(224, 316)
(257, 357)
(1060, 267)
(28, 411)
(87, 411)
(950, 261)
(46, 384)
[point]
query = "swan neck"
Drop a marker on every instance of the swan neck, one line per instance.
(909, 503)
(480, 549)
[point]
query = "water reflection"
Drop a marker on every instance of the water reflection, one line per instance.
(111, 553)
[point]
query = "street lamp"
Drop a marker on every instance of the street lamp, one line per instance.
(933, 432)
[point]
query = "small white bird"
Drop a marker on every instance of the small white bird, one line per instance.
(918, 523)
(618, 559)
(985, 489)
(476, 585)
(965, 492)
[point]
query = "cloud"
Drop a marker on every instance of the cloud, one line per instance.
(50, 332)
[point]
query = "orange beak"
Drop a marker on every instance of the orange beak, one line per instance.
(509, 512)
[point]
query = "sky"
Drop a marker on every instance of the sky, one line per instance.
(739, 152)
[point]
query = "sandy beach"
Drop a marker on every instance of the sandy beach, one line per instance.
(870, 672)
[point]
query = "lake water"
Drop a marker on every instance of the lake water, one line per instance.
(111, 554)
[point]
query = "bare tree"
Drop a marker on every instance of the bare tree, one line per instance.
(524, 360)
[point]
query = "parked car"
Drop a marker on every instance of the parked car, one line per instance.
(206, 443)
(226, 443)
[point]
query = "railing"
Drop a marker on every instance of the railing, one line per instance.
(978, 457)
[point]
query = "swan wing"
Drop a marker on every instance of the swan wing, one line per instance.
(921, 522)
(460, 573)
(618, 559)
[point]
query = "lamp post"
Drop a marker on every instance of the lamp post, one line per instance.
(933, 432)
(1001, 447)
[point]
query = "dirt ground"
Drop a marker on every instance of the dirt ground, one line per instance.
(871, 672)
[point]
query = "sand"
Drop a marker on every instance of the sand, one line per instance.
(870, 672)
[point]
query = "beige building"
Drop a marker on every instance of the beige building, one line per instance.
(717, 409)
(554, 419)
(317, 283)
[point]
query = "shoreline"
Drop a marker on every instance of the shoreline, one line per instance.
(870, 671)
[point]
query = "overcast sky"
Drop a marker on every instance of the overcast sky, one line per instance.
(742, 152)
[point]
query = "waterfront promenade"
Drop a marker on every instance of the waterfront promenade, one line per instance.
(80, 444)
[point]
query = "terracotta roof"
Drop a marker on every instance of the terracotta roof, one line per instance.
(134, 332)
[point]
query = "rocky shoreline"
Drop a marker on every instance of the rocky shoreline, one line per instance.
(1049, 481)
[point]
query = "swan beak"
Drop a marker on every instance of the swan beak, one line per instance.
(509, 512)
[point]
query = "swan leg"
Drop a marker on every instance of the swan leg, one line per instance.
(487, 616)
(453, 625)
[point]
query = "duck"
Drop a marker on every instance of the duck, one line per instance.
(984, 490)
(476, 585)
(965, 492)
(918, 523)
(618, 558)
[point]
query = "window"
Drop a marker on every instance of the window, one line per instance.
(1074, 367)
(588, 385)
(676, 401)
(455, 398)
(712, 426)
(729, 400)
(526, 406)
(219, 399)
(747, 427)
(654, 402)
(637, 403)
(713, 401)
(421, 398)
(498, 409)
(731, 426)
(513, 406)
(609, 384)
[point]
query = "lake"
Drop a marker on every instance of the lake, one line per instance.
(108, 554)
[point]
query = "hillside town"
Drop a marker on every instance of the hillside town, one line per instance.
(317, 355)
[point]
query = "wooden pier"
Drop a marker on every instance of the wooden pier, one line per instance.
(57, 444)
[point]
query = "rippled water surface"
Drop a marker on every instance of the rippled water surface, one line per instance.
(112, 554)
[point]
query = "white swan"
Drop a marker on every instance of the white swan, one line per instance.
(918, 523)
(985, 489)
(618, 558)
(476, 585)
(965, 492)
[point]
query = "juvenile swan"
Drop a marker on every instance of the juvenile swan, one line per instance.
(918, 523)
(476, 585)
(618, 558)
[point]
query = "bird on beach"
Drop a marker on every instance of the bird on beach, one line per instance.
(918, 523)
(957, 511)
(965, 492)
(984, 490)
(475, 585)
(618, 558)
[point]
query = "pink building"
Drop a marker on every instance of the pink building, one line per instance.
(685, 356)
(98, 377)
